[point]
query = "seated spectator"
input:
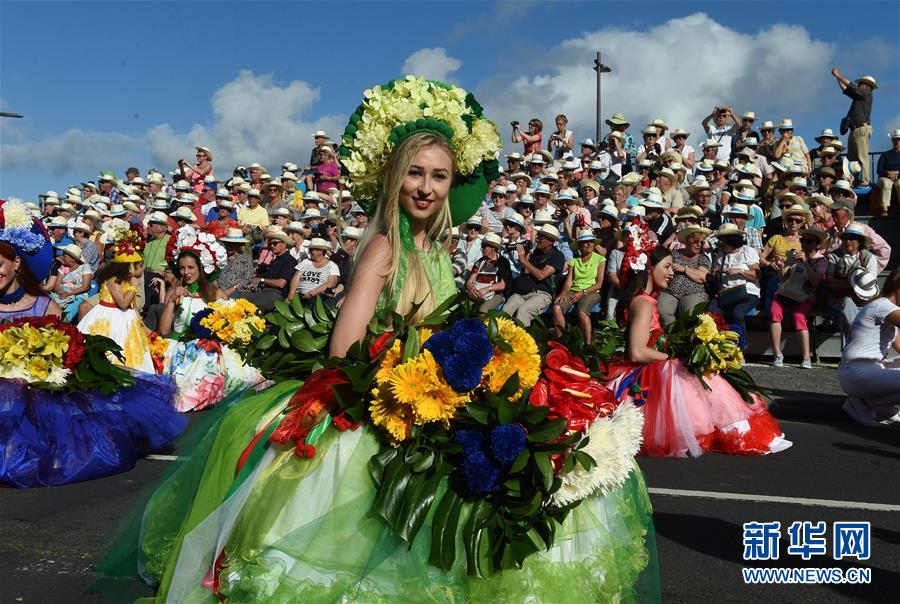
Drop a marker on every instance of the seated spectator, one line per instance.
(239, 272)
(223, 221)
(298, 232)
(81, 233)
(327, 174)
(69, 289)
(691, 265)
(581, 286)
(493, 217)
(457, 258)
(608, 221)
(775, 224)
(870, 380)
(280, 217)
(315, 276)
(471, 243)
(273, 284)
(777, 248)
(736, 267)
(794, 145)
(888, 170)
(668, 182)
(848, 259)
(739, 214)
(490, 276)
(614, 260)
(657, 219)
(801, 274)
(343, 258)
(820, 206)
(515, 230)
(253, 217)
(842, 210)
(577, 216)
(536, 286)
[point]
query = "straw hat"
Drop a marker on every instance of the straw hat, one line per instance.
(748, 115)
(278, 233)
(184, 213)
(492, 239)
(867, 79)
(679, 132)
(786, 124)
(71, 250)
(710, 143)
(205, 150)
(744, 194)
(225, 203)
(515, 156)
(856, 229)
(516, 219)
(350, 232)
(549, 231)
(476, 221)
(825, 200)
(796, 210)
(158, 218)
(815, 232)
(688, 213)
(57, 222)
(700, 184)
(234, 236)
(659, 123)
(704, 166)
(737, 209)
(668, 173)
(727, 229)
(279, 212)
(586, 235)
(826, 136)
(767, 125)
(649, 130)
(82, 226)
(542, 217)
(311, 214)
(317, 243)
(687, 231)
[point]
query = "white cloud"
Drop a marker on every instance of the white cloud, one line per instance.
(678, 71)
(254, 120)
(431, 63)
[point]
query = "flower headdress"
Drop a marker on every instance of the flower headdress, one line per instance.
(27, 236)
(189, 240)
(128, 243)
(391, 113)
(638, 245)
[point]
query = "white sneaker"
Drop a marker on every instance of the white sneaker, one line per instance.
(778, 361)
(894, 420)
(806, 364)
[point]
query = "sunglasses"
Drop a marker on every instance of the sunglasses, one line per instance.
(795, 220)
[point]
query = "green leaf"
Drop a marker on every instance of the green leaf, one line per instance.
(418, 501)
(266, 342)
(507, 412)
(479, 413)
(520, 462)
(283, 340)
(304, 342)
(584, 460)
(536, 414)
(284, 310)
(546, 468)
(510, 387)
(443, 531)
(412, 345)
(548, 431)
(297, 305)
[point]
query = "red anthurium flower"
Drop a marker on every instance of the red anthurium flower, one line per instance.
(379, 344)
(308, 406)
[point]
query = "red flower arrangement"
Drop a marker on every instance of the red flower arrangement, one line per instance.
(719, 318)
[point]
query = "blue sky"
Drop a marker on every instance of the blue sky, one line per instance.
(104, 85)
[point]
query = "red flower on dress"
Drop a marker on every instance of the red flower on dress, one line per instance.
(379, 344)
(309, 405)
(74, 353)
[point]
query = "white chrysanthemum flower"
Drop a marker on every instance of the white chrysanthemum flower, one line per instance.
(614, 441)
(16, 215)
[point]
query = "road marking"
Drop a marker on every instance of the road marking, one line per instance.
(827, 503)
(162, 457)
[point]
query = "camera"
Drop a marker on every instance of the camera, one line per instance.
(514, 124)
(511, 246)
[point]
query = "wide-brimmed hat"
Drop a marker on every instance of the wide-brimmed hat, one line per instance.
(234, 236)
(492, 239)
(767, 125)
(542, 217)
(526, 199)
(476, 221)
(867, 79)
(536, 158)
(609, 211)
(82, 226)
(276, 232)
(515, 156)
(747, 152)
(749, 168)
(57, 222)
(225, 203)
(895, 134)
(618, 119)
(786, 124)
(71, 250)
(586, 235)
(280, 212)
(798, 182)
(516, 219)
(693, 229)
(736, 209)
(92, 214)
(541, 190)
(796, 210)
(311, 214)
(454, 233)
(704, 166)
(843, 204)
(632, 178)
(588, 142)
(317, 243)
(826, 135)
(825, 200)
(184, 213)
(659, 123)
(205, 150)
(688, 213)
(827, 150)
(116, 209)
(751, 141)
(863, 284)
(617, 135)
(158, 217)
(856, 229)
(649, 131)
(351, 232)
(748, 115)
(668, 173)
(295, 225)
(728, 229)
(679, 132)
(550, 231)
(814, 232)
(710, 143)
(700, 184)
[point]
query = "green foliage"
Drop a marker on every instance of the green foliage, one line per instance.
(96, 371)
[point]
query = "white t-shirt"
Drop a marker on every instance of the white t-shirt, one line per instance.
(743, 259)
(723, 137)
(312, 277)
(871, 336)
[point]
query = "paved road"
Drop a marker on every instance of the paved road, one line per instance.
(50, 536)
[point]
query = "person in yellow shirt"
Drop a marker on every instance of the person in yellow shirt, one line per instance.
(253, 214)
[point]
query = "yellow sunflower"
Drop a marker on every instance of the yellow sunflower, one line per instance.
(390, 360)
(387, 413)
(524, 359)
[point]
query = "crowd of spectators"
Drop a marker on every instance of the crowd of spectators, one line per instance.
(758, 222)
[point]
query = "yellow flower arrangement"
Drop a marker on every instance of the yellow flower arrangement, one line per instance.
(34, 354)
(524, 359)
(233, 321)
(706, 329)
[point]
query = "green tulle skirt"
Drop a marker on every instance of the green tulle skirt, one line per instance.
(300, 530)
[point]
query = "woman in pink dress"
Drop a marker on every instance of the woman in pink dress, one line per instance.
(201, 171)
(681, 417)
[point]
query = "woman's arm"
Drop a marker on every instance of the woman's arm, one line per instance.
(641, 311)
(295, 282)
(329, 283)
(167, 317)
(567, 284)
(83, 286)
(369, 279)
(689, 160)
(598, 282)
(697, 275)
(53, 309)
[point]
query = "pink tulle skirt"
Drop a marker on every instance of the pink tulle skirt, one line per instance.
(683, 418)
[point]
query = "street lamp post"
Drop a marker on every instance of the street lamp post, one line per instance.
(600, 68)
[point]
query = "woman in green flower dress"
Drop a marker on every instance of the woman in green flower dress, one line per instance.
(247, 519)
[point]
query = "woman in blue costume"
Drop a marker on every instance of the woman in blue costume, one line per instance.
(55, 437)
(246, 519)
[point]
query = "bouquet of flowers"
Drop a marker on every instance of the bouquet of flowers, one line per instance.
(501, 434)
(232, 322)
(50, 354)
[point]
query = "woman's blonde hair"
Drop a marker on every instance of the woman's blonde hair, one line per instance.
(416, 288)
